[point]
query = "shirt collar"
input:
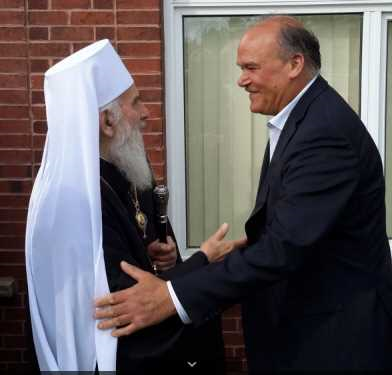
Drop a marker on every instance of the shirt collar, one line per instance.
(280, 119)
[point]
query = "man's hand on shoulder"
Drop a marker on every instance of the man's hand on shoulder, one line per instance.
(146, 303)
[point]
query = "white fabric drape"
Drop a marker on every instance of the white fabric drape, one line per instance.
(64, 257)
(224, 141)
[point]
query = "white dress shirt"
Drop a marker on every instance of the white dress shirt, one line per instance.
(275, 127)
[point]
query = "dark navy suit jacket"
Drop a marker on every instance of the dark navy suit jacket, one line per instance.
(313, 280)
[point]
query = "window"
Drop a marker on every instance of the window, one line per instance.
(214, 144)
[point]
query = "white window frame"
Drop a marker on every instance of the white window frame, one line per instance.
(376, 14)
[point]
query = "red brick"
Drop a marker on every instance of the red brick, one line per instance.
(13, 270)
(15, 140)
(139, 33)
(140, 49)
(12, 242)
(143, 65)
(13, 97)
(138, 4)
(234, 311)
(38, 4)
(15, 313)
(39, 112)
(49, 49)
(10, 355)
(158, 171)
(103, 4)
(151, 95)
(39, 141)
(105, 33)
(38, 33)
(48, 18)
(39, 66)
(14, 126)
(10, 327)
(12, 257)
(15, 186)
(10, 17)
(11, 4)
(15, 171)
(37, 97)
(70, 4)
(15, 341)
(40, 127)
(147, 80)
(229, 352)
(72, 33)
(37, 157)
(14, 112)
(15, 157)
(14, 201)
(11, 229)
(78, 46)
(13, 50)
(156, 156)
(92, 18)
(12, 66)
(230, 324)
(12, 33)
(37, 81)
(152, 140)
(7, 214)
(13, 81)
(231, 338)
(234, 365)
(155, 110)
(154, 126)
(148, 17)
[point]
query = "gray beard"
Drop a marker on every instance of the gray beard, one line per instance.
(127, 153)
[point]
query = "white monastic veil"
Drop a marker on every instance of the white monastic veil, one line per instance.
(64, 257)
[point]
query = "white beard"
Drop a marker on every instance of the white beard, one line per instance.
(127, 153)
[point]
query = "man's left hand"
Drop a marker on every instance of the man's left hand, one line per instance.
(145, 304)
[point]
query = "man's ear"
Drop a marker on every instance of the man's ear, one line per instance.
(297, 64)
(106, 124)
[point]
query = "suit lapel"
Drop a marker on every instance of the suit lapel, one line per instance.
(263, 185)
(288, 131)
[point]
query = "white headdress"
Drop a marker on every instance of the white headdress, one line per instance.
(64, 257)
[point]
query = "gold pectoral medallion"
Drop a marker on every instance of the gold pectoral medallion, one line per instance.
(141, 220)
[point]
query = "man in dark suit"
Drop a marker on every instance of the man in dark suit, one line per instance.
(314, 280)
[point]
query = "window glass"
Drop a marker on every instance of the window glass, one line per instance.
(225, 142)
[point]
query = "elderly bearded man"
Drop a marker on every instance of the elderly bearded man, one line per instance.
(81, 224)
(315, 278)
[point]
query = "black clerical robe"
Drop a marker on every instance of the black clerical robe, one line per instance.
(169, 345)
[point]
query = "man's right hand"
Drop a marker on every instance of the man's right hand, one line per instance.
(215, 248)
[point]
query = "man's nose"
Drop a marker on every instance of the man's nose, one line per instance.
(243, 80)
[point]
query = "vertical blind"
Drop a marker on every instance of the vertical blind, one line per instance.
(225, 142)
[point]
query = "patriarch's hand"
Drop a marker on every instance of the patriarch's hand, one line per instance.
(163, 255)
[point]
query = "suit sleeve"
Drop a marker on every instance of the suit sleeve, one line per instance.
(316, 183)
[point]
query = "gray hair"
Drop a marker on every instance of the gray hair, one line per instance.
(296, 39)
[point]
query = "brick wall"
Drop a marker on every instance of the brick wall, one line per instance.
(35, 34)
